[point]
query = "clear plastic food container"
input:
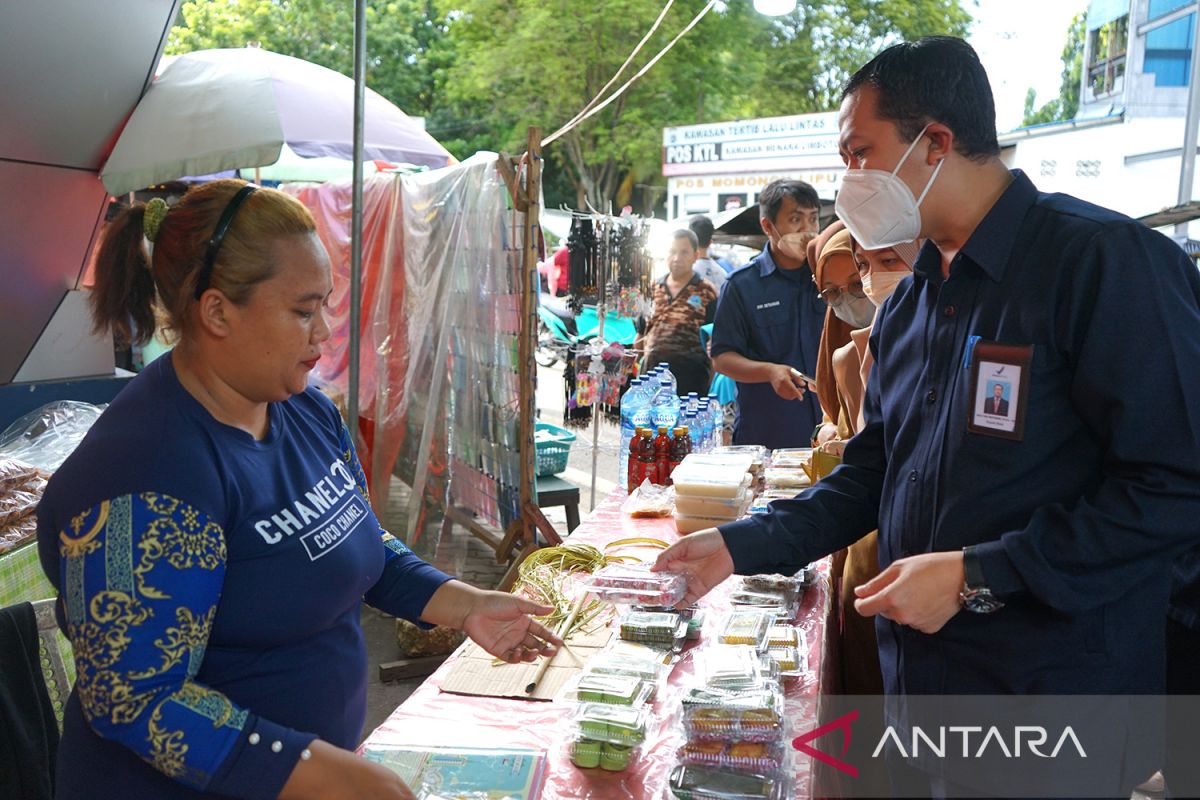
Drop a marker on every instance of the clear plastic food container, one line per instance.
(614, 690)
(788, 659)
(764, 758)
(654, 627)
(791, 457)
(687, 525)
(748, 627)
(782, 636)
(757, 452)
(636, 585)
(693, 782)
(592, 754)
(786, 478)
(732, 667)
(607, 723)
(748, 715)
(702, 506)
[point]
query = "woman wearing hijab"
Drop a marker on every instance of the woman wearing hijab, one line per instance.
(838, 284)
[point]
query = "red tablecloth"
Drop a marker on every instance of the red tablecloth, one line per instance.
(431, 717)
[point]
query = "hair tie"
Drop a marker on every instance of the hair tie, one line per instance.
(152, 217)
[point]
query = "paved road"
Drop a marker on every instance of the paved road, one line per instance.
(550, 403)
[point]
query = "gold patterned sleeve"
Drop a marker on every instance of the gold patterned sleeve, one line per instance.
(140, 578)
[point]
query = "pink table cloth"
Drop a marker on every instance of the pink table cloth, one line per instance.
(431, 717)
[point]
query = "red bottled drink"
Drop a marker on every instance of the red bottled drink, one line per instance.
(649, 467)
(662, 456)
(635, 474)
(681, 446)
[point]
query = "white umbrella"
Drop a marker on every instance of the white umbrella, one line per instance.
(216, 110)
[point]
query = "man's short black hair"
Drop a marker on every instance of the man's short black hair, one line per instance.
(771, 197)
(934, 79)
(684, 233)
(703, 228)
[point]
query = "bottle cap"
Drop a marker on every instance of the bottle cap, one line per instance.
(681, 430)
(662, 429)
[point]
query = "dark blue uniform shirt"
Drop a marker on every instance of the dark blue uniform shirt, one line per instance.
(775, 315)
(1078, 522)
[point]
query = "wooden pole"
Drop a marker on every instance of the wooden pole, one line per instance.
(532, 196)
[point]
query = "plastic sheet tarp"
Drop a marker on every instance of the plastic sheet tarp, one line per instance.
(46, 436)
(432, 717)
(439, 383)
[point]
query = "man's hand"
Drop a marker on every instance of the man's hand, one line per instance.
(786, 382)
(500, 623)
(920, 592)
(700, 557)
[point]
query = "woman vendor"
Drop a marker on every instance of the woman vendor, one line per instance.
(211, 538)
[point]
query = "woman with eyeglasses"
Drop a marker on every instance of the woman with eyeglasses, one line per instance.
(211, 538)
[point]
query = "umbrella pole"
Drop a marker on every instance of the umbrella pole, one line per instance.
(360, 82)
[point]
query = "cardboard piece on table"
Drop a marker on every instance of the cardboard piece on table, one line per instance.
(473, 672)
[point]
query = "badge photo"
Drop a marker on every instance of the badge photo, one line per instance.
(1000, 387)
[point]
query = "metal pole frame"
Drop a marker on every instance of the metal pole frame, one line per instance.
(356, 213)
(1187, 165)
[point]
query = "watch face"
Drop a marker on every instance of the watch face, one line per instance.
(980, 601)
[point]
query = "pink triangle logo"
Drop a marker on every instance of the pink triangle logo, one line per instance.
(842, 724)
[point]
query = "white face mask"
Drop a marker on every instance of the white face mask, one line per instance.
(878, 207)
(879, 286)
(795, 245)
(857, 312)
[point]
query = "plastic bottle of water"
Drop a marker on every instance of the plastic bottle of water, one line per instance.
(635, 413)
(705, 419)
(690, 419)
(651, 384)
(718, 420)
(665, 405)
(693, 401)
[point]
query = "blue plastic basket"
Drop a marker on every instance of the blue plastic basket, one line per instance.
(552, 453)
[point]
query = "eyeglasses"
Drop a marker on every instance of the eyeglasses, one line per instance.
(834, 293)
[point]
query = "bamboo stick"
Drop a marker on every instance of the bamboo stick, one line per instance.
(562, 634)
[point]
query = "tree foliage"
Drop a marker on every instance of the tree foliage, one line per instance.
(1067, 103)
(482, 71)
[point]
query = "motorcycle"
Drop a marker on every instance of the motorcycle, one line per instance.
(559, 328)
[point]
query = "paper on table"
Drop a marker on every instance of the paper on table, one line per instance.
(473, 671)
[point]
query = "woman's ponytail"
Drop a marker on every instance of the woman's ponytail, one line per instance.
(124, 285)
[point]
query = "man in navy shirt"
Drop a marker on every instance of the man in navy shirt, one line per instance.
(769, 322)
(1028, 554)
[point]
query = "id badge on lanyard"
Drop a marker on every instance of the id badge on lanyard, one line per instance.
(999, 388)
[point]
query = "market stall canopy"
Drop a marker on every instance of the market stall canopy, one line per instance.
(215, 110)
(742, 226)
(73, 70)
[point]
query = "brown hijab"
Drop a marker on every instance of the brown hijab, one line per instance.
(836, 333)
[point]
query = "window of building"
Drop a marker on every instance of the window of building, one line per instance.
(1106, 57)
(1169, 52)
(1160, 7)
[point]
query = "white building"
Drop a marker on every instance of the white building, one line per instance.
(1123, 148)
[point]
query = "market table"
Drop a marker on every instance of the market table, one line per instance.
(431, 717)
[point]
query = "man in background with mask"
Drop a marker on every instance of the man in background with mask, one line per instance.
(1022, 555)
(769, 321)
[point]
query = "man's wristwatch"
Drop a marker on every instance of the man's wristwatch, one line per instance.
(975, 595)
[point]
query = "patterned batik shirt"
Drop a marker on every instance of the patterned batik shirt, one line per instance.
(674, 327)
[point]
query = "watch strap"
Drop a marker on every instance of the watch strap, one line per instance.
(972, 569)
